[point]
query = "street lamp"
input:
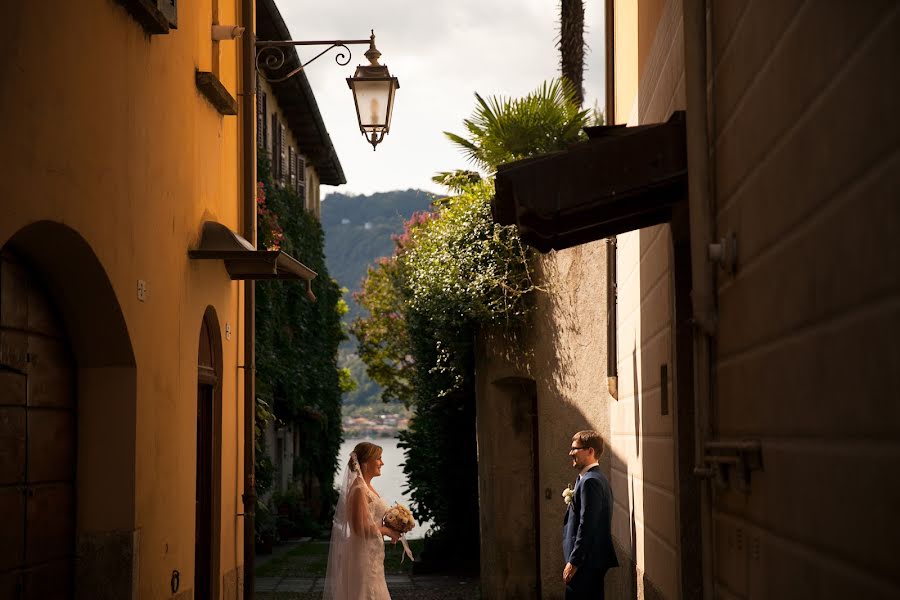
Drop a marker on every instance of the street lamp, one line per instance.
(372, 85)
(373, 92)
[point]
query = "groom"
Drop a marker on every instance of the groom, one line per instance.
(587, 537)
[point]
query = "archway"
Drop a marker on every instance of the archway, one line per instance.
(103, 391)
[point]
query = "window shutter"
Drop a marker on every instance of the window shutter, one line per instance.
(291, 169)
(273, 151)
(265, 122)
(283, 148)
(169, 8)
(301, 178)
(260, 116)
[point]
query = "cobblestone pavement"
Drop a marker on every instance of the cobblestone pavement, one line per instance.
(295, 572)
(402, 587)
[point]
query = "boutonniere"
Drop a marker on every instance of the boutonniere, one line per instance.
(567, 494)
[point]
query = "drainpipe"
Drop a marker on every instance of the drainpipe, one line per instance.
(702, 227)
(248, 194)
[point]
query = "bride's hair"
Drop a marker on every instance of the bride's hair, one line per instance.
(366, 451)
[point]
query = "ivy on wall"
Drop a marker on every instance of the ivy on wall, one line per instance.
(297, 377)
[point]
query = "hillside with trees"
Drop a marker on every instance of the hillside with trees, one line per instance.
(358, 231)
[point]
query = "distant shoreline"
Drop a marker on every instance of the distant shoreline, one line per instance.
(364, 433)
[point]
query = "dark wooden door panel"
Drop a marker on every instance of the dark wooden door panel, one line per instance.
(14, 350)
(12, 528)
(12, 388)
(12, 445)
(42, 316)
(203, 528)
(50, 524)
(13, 294)
(49, 581)
(51, 439)
(11, 584)
(37, 442)
(50, 385)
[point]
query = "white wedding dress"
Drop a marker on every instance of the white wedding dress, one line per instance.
(356, 562)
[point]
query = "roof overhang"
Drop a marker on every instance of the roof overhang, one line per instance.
(243, 261)
(620, 179)
(297, 101)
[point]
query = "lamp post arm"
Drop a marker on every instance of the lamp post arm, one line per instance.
(270, 55)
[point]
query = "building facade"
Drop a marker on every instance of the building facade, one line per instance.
(122, 298)
(753, 295)
(291, 135)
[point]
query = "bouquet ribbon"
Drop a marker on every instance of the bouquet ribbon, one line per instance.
(406, 550)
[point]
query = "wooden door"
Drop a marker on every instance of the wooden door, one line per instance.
(203, 532)
(206, 513)
(37, 442)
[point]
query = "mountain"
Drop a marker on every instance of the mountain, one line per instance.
(358, 231)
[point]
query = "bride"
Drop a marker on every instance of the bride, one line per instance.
(356, 556)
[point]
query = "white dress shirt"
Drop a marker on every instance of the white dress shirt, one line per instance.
(588, 468)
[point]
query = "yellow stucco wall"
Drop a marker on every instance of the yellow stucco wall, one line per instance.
(634, 31)
(105, 132)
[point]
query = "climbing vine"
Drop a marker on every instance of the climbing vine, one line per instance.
(297, 377)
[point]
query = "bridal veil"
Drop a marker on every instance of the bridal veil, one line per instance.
(348, 573)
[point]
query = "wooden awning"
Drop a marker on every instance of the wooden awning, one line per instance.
(620, 179)
(243, 261)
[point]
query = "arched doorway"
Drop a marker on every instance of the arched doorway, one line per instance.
(102, 381)
(209, 369)
(37, 440)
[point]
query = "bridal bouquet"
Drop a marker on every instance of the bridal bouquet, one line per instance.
(399, 518)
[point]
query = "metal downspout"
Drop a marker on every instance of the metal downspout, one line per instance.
(703, 276)
(248, 194)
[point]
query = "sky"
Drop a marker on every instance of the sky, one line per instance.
(442, 53)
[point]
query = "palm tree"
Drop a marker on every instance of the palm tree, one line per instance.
(503, 130)
(571, 44)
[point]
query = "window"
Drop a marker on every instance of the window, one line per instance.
(612, 316)
(157, 17)
(169, 8)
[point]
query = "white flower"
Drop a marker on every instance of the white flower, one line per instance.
(567, 494)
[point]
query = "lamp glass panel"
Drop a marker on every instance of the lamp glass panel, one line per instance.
(392, 90)
(372, 102)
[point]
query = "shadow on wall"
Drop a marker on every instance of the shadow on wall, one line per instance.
(569, 368)
(655, 522)
(562, 324)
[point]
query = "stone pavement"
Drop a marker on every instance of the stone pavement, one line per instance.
(289, 586)
(402, 587)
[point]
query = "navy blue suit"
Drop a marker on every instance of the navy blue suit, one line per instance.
(587, 536)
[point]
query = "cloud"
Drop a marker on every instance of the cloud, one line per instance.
(442, 52)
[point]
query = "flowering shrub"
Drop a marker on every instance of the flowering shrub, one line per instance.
(271, 233)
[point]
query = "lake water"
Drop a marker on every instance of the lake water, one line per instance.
(392, 481)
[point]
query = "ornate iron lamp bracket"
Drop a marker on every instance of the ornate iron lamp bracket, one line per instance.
(270, 56)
